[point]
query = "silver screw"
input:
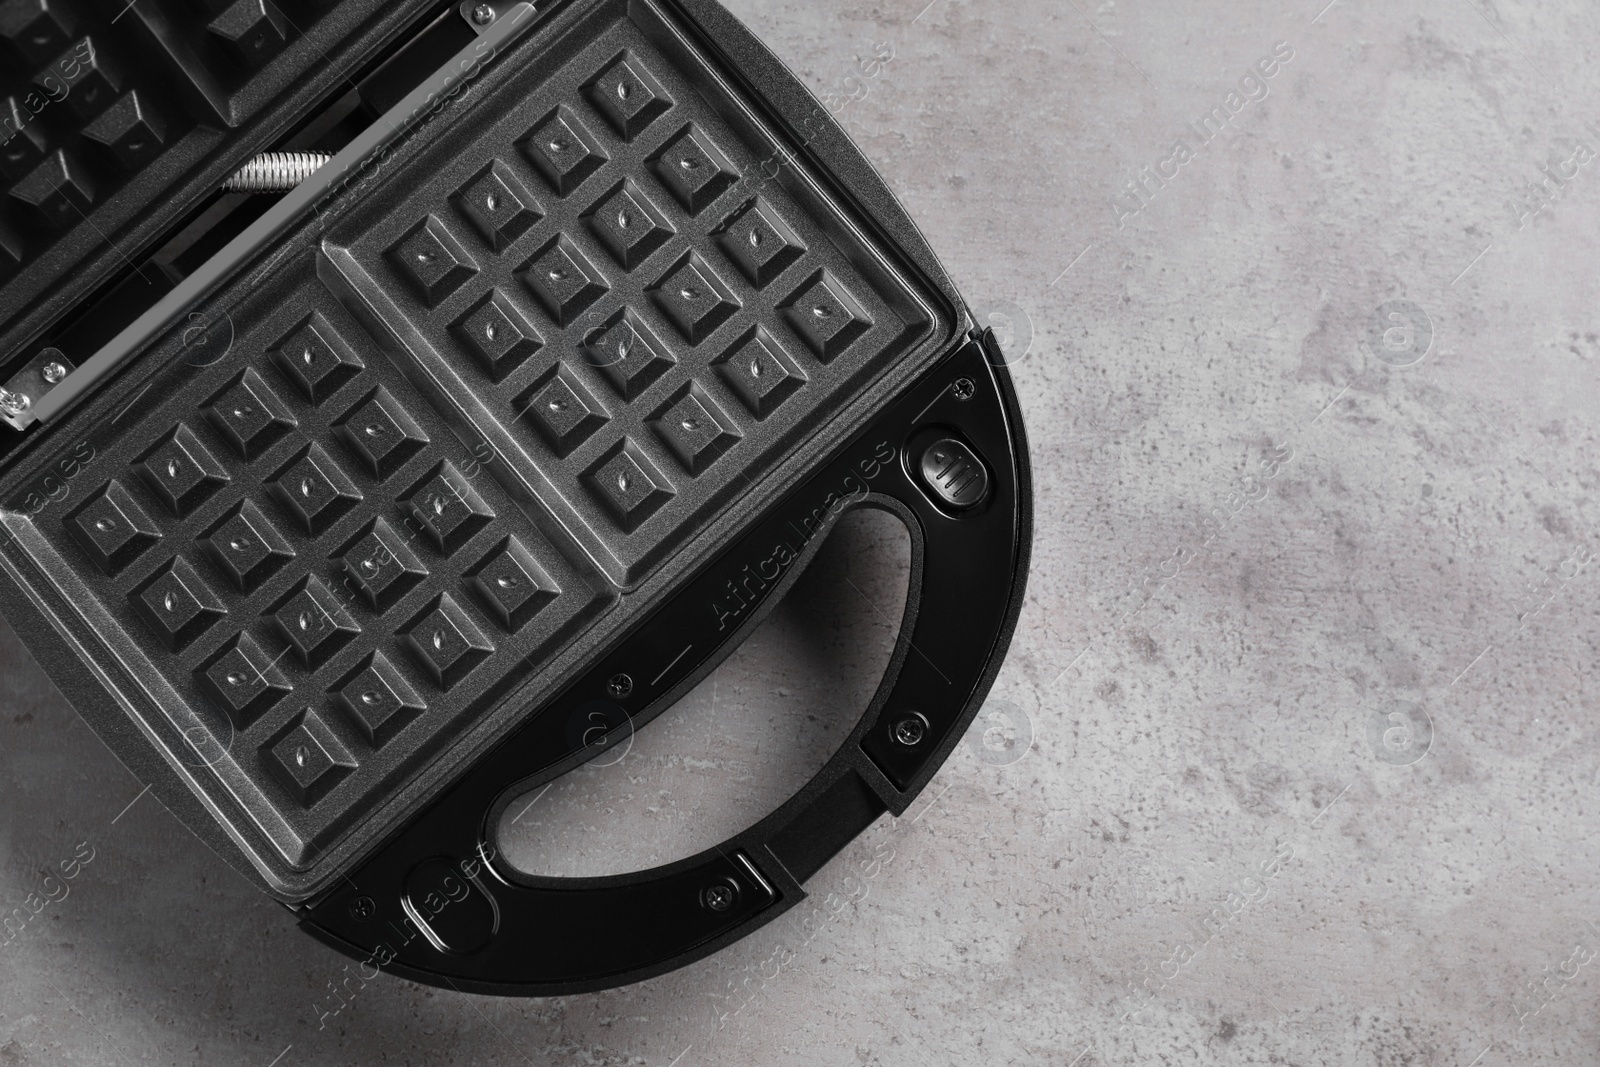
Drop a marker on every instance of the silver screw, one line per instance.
(13, 403)
(718, 897)
(54, 372)
(483, 14)
(910, 731)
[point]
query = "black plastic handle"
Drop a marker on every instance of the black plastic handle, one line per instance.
(437, 905)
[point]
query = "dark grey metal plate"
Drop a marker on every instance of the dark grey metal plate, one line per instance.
(588, 268)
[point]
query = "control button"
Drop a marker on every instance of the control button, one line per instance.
(955, 474)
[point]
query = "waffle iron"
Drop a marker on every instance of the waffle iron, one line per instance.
(349, 514)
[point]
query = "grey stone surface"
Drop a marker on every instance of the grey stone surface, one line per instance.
(1307, 656)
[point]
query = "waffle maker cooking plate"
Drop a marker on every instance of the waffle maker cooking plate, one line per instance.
(349, 515)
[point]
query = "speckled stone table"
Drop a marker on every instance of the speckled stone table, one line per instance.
(1295, 759)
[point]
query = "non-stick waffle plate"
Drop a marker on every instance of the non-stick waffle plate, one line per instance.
(526, 416)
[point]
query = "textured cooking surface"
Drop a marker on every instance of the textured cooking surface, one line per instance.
(646, 323)
(314, 562)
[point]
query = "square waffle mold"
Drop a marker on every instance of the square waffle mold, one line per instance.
(586, 266)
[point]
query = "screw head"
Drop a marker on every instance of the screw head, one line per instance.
(964, 389)
(620, 685)
(54, 372)
(363, 908)
(718, 897)
(909, 730)
(13, 403)
(483, 14)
